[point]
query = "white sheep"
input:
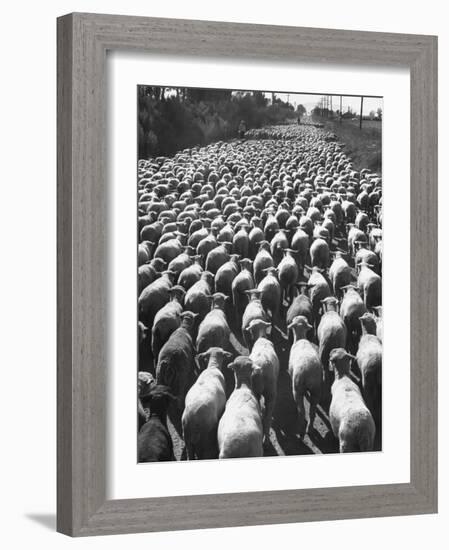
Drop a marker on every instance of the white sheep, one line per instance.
(204, 405)
(264, 356)
(332, 333)
(349, 416)
(369, 360)
(306, 372)
(240, 431)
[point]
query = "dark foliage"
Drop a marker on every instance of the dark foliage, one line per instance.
(172, 119)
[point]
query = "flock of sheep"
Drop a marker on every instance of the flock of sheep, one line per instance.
(259, 285)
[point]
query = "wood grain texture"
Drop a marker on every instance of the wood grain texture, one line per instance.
(83, 40)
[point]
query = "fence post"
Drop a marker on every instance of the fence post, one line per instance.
(361, 111)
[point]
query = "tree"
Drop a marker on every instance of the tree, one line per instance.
(301, 110)
(260, 99)
(372, 114)
(379, 113)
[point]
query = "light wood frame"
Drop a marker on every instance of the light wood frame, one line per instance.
(83, 40)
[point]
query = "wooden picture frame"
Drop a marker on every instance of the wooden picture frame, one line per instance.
(83, 40)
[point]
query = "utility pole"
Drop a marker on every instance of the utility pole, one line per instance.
(341, 107)
(361, 111)
(331, 106)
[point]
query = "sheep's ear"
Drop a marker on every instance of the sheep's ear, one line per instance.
(200, 360)
(231, 366)
(227, 355)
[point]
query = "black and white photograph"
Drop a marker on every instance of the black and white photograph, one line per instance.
(259, 281)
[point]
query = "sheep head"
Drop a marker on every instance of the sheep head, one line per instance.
(300, 326)
(219, 356)
(177, 293)
(158, 400)
(368, 323)
(340, 362)
(188, 319)
(259, 328)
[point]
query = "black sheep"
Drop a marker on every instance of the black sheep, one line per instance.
(154, 443)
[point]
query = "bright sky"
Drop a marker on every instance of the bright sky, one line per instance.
(310, 100)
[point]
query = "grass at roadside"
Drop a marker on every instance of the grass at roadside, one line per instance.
(364, 145)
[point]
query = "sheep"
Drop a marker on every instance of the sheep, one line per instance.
(320, 232)
(169, 250)
(349, 210)
(277, 246)
(306, 224)
(181, 262)
(361, 221)
(206, 245)
(255, 237)
(151, 232)
(271, 227)
(300, 243)
(199, 296)
(319, 253)
(306, 373)
(262, 261)
(363, 254)
(175, 366)
(191, 274)
(242, 282)
(154, 443)
(204, 406)
(145, 382)
(379, 321)
(167, 320)
(301, 305)
(165, 237)
(226, 234)
(154, 297)
(214, 329)
(226, 275)
(318, 290)
(370, 285)
(350, 418)
(351, 309)
(254, 310)
(240, 430)
(369, 361)
(354, 234)
(264, 356)
(288, 274)
(217, 257)
(149, 272)
(142, 255)
(332, 333)
(339, 274)
(197, 236)
(240, 241)
(375, 235)
(270, 293)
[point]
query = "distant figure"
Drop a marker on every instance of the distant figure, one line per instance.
(242, 129)
(299, 119)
